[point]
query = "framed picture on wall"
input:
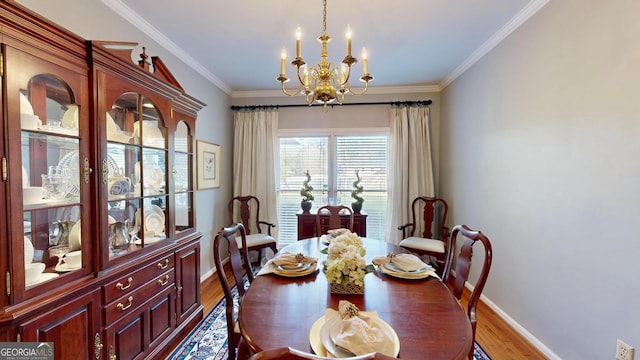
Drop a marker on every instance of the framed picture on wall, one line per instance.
(208, 168)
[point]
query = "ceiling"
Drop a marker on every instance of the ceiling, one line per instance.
(411, 43)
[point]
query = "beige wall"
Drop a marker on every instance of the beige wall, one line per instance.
(540, 148)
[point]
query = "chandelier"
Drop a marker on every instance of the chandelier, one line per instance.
(324, 82)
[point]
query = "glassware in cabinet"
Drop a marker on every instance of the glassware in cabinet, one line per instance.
(52, 173)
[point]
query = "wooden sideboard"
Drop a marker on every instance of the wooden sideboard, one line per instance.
(307, 224)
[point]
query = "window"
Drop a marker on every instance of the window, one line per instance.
(332, 161)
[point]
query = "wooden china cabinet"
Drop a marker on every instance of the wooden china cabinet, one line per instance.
(99, 251)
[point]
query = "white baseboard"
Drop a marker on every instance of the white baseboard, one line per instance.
(210, 273)
(517, 327)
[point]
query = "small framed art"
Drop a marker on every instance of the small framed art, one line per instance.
(208, 168)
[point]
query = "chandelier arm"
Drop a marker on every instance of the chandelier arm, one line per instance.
(347, 76)
(284, 90)
(366, 86)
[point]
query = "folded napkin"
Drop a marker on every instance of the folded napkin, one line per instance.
(361, 332)
(286, 259)
(404, 262)
(290, 259)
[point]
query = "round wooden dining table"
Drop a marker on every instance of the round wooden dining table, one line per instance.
(429, 321)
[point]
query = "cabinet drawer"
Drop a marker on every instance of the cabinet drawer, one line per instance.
(134, 299)
(130, 282)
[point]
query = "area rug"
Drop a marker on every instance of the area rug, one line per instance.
(208, 341)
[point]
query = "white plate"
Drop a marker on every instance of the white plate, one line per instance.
(314, 337)
(330, 327)
(405, 275)
(304, 271)
(44, 277)
(153, 222)
(28, 251)
(393, 267)
(316, 341)
(75, 237)
(64, 268)
(25, 105)
(70, 117)
(298, 266)
(156, 209)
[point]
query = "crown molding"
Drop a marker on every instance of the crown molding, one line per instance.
(139, 22)
(380, 90)
(515, 22)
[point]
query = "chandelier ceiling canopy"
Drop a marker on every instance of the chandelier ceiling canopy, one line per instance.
(324, 82)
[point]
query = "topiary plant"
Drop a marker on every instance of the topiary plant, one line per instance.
(357, 189)
(306, 190)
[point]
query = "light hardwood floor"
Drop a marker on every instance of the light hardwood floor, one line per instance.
(495, 336)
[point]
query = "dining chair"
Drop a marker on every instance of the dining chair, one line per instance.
(248, 209)
(287, 353)
(240, 266)
(463, 267)
(427, 234)
(333, 221)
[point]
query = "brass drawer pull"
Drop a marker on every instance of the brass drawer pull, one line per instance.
(120, 286)
(122, 307)
(163, 265)
(164, 282)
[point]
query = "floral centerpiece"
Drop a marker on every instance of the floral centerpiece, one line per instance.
(345, 265)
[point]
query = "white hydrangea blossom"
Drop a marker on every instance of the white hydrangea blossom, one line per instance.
(345, 262)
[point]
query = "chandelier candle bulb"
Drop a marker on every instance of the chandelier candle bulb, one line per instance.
(283, 58)
(365, 64)
(348, 40)
(298, 45)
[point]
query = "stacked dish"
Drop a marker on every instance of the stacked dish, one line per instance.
(296, 270)
(394, 271)
(114, 133)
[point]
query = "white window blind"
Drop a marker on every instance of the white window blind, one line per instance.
(297, 155)
(368, 155)
(332, 161)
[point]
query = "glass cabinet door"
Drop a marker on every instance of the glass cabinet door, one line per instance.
(135, 172)
(53, 173)
(182, 177)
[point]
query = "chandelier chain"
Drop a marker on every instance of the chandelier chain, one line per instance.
(324, 17)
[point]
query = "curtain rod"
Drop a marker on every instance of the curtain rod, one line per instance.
(393, 103)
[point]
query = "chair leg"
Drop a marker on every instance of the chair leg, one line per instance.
(259, 257)
(244, 352)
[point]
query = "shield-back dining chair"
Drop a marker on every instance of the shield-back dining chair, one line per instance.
(427, 234)
(248, 209)
(240, 266)
(324, 223)
(468, 238)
